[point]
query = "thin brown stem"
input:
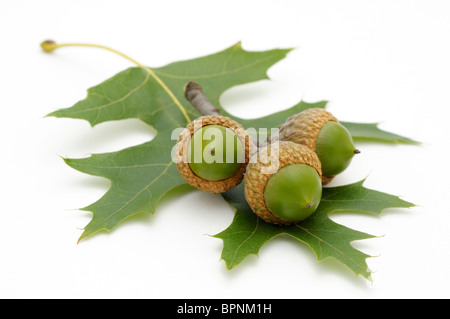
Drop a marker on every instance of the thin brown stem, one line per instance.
(194, 94)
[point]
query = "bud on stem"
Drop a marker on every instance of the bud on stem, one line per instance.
(49, 45)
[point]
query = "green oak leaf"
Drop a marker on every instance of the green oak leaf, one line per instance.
(371, 132)
(247, 233)
(138, 181)
(360, 131)
(141, 175)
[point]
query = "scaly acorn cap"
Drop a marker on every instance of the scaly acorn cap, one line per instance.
(267, 162)
(182, 160)
(304, 128)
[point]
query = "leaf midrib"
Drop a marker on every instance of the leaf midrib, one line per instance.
(330, 245)
(247, 239)
(212, 75)
(112, 102)
(94, 226)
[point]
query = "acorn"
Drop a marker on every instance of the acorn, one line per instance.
(212, 153)
(321, 132)
(283, 183)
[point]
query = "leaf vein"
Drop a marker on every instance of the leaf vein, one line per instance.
(247, 239)
(323, 242)
(131, 92)
(134, 197)
(213, 75)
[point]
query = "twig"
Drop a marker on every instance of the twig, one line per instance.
(194, 94)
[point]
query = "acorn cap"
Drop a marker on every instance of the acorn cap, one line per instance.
(304, 128)
(182, 160)
(267, 162)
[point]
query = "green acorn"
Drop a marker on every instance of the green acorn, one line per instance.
(321, 132)
(212, 153)
(283, 183)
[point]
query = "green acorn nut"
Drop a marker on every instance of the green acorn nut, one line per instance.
(283, 183)
(211, 159)
(212, 153)
(321, 132)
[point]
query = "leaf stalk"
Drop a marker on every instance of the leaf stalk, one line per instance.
(49, 46)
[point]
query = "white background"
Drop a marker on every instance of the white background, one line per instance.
(375, 61)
